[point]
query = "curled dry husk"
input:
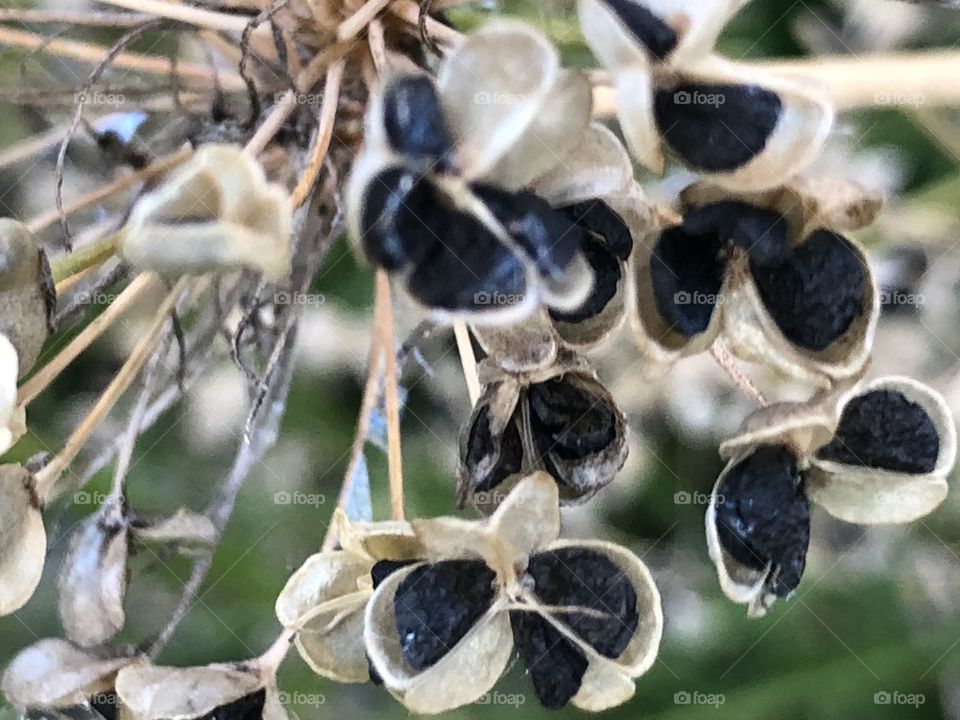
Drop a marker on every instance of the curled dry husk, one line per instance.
(13, 421)
(741, 127)
(324, 599)
(461, 174)
(23, 541)
(53, 675)
(491, 565)
(560, 419)
(215, 212)
(798, 214)
(878, 453)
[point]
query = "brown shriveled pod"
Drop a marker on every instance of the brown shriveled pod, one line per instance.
(23, 540)
(584, 616)
(215, 212)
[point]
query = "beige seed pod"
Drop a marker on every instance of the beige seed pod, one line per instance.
(27, 296)
(13, 419)
(23, 541)
(215, 212)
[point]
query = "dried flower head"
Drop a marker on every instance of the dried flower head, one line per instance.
(872, 455)
(23, 541)
(770, 272)
(559, 419)
(324, 600)
(584, 616)
(215, 212)
(741, 127)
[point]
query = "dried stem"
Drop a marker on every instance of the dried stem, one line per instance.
(199, 17)
(729, 365)
(321, 144)
(468, 361)
(352, 26)
(270, 661)
(84, 258)
(409, 12)
(67, 17)
(271, 125)
(394, 456)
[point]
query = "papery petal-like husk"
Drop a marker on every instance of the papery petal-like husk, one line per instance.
(381, 540)
(331, 641)
(27, 293)
(323, 577)
(526, 521)
(492, 87)
(184, 526)
(609, 40)
(871, 496)
(592, 331)
(451, 538)
(597, 166)
(23, 541)
(802, 426)
(54, 673)
(521, 347)
(12, 417)
(93, 580)
(635, 113)
(463, 675)
(152, 692)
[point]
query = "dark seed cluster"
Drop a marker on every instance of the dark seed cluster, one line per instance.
(249, 707)
(656, 36)
(414, 121)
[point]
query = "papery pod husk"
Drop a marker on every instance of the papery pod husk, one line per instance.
(322, 578)
(27, 294)
(53, 673)
(23, 540)
(869, 496)
(13, 417)
(523, 347)
(380, 540)
(184, 526)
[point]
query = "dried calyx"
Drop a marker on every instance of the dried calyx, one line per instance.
(771, 273)
(734, 124)
(559, 419)
(878, 454)
(584, 616)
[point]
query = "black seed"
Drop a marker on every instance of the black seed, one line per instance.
(599, 219)
(568, 421)
(882, 429)
(687, 273)
(817, 292)
(580, 577)
(717, 128)
(549, 237)
(763, 516)
(386, 240)
(555, 664)
(382, 569)
(249, 707)
(656, 36)
(480, 447)
(437, 604)
(606, 277)
(414, 119)
(762, 233)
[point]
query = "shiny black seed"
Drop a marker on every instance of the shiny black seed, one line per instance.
(414, 120)
(599, 219)
(547, 236)
(762, 233)
(249, 707)
(388, 239)
(882, 429)
(817, 292)
(480, 446)
(568, 421)
(763, 516)
(437, 604)
(382, 569)
(717, 128)
(555, 664)
(656, 36)
(687, 273)
(583, 578)
(606, 277)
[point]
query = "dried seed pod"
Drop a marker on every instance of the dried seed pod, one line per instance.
(870, 455)
(183, 527)
(27, 296)
(765, 272)
(215, 212)
(560, 419)
(23, 541)
(52, 675)
(740, 127)
(13, 418)
(584, 615)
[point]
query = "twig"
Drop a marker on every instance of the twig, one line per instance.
(352, 26)
(468, 361)
(726, 361)
(85, 258)
(92, 18)
(394, 455)
(199, 17)
(409, 12)
(321, 144)
(271, 125)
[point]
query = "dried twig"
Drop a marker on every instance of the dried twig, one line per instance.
(321, 144)
(468, 361)
(394, 455)
(729, 365)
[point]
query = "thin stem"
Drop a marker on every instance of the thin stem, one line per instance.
(352, 26)
(91, 18)
(729, 365)
(394, 456)
(468, 361)
(85, 258)
(271, 125)
(270, 661)
(200, 17)
(409, 12)
(328, 114)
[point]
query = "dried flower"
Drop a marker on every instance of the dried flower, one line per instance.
(23, 541)
(742, 128)
(584, 615)
(215, 212)
(770, 272)
(875, 455)
(559, 419)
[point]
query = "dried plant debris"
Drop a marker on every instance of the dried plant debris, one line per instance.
(13, 417)
(559, 419)
(584, 616)
(873, 455)
(215, 212)
(769, 272)
(742, 128)
(23, 540)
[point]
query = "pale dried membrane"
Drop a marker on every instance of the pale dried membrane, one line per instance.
(13, 417)
(184, 526)
(877, 485)
(521, 347)
(27, 295)
(23, 541)
(215, 212)
(635, 112)
(93, 579)
(53, 673)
